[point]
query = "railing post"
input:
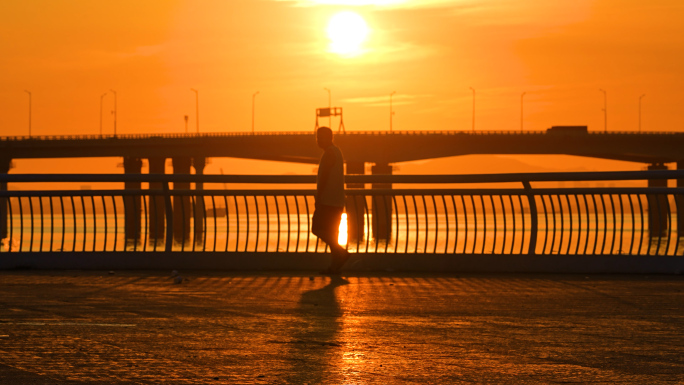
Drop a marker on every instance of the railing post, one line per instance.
(534, 221)
(156, 214)
(657, 205)
(354, 206)
(181, 204)
(132, 204)
(382, 205)
(4, 169)
(198, 164)
(168, 208)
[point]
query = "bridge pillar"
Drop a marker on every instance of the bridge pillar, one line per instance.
(157, 218)
(382, 205)
(657, 205)
(198, 163)
(132, 204)
(354, 206)
(5, 163)
(181, 204)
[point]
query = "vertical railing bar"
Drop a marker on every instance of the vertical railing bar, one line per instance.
(524, 228)
(126, 210)
(534, 217)
(446, 219)
(484, 210)
(546, 223)
(632, 214)
(374, 203)
(555, 225)
(453, 202)
(579, 223)
(678, 229)
(73, 214)
(258, 224)
(588, 222)
(145, 237)
(104, 212)
(244, 198)
(193, 215)
(308, 223)
(406, 216)
(660, 232)
(496, 224)
(484, 222)
(502, 204)
(669, 225)
(181, 199)
(92, 204)
(615, 233)
(153, 204)
(396, 225)
(465, 223)
(605, 224)
(33, 227)
(299, 226)
(278, 225)
(61, 205)
(225, 202)
(475, 223)
(205, 221)
(596, 222)
(268, 223)
(237, 223)
(10, 230)
(434, 205)
(513, 224)
(415, 212)
(568, 202)
(641, 210)
(168, 210)
(52, 223)
(287, 212)
(85, 223)
(369, 225)
(21, 223)
(562, 222)
(42, 223)
(213, 206)
(425, 212)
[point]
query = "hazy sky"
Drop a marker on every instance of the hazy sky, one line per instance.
(68, 53)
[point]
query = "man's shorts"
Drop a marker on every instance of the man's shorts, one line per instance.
(325, 223)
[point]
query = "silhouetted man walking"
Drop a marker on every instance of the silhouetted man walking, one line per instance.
(329, 199)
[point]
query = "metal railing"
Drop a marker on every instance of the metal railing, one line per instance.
(519, 220)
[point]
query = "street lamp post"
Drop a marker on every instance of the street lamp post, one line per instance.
(196, 108)
(391, 112)
(101, 99)
(30, 102)
(253, 102)
(115, 111)
(186, 123)
(640, 97)
(605, 110)
(521, 110)
(472, 89)
(329, 106)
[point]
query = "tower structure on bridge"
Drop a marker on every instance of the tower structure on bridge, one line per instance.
(329, 112)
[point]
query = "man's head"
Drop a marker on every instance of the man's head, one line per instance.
(324, 137)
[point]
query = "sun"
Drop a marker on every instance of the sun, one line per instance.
(347, 32)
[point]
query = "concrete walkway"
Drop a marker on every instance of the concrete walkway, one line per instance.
(292, 328)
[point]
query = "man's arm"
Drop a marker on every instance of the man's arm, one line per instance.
(324, 169)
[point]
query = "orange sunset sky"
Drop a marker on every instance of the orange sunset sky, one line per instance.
(68, 53)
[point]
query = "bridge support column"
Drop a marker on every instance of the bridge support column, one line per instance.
(382, 205)
(198, 164)
(354, 206)
(4, 169)
(132, 205)
(157, 218)
(657, 205)
(181, 204)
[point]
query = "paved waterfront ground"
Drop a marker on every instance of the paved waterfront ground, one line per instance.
(293, 328)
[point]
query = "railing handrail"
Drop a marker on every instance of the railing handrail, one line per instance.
(310, 179)
(35, 138)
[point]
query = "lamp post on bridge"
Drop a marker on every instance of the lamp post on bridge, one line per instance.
(253, 102)
(605, 110)
(521, 110)
(472, 89)
(391, 112)
(329, 106)
(196, 108)
(640, 97)
(115, 111)
(30, 102)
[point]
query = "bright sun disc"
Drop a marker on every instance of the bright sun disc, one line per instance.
(347, 31)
